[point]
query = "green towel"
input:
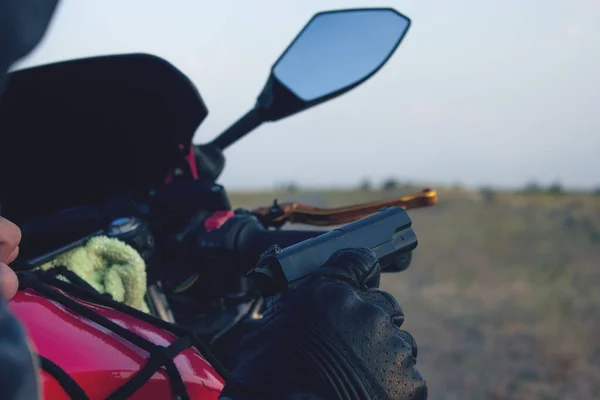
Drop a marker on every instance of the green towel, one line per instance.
(109, 266)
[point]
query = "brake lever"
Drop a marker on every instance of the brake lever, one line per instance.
(279, 214)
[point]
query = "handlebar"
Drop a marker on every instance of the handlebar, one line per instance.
(257, 242)
(245, 239)
(253, 242)
(223, 256)
(226, 254)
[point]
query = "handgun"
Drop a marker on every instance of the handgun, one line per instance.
(388, 233)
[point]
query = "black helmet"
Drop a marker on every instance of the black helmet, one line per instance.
(23, 23)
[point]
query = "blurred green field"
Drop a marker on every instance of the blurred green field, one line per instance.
(503, 295)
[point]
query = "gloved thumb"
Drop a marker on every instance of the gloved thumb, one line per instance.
(358, 267)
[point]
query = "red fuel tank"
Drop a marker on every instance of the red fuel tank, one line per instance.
(101, 361)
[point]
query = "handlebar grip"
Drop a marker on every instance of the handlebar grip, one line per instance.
(387, 233)
(252, 240)
(255, 240)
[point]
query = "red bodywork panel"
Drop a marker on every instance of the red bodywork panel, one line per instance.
(99, 360)
(216, 220)
(190, 159)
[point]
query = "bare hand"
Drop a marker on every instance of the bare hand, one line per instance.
(10, 237)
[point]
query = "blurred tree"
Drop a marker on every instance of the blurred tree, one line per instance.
(365, 185)
(390, 184)
(457, 186)
(290, 187)
(293, 187)
(487, 194)
(532, 188)
(556, 189)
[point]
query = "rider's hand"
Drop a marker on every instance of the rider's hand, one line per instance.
(22, 25)
(334, 337)
(18, 374)
(10, 236)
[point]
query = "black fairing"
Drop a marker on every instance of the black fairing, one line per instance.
(76, 131)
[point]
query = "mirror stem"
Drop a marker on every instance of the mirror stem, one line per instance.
(250, 121)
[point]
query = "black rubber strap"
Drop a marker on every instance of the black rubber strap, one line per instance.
(157, 359)
(61, 270)
(69, 385)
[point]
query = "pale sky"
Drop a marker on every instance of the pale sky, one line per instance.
(479, 92)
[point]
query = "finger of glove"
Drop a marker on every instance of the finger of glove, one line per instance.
(387, 303)
(414, 349)
(356, 266)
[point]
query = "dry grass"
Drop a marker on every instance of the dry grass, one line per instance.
(503, 296)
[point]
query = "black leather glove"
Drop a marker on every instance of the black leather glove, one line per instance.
(334, 337)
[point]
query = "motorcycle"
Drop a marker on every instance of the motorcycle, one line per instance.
(113, 156)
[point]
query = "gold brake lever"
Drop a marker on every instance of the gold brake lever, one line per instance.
(278, 214)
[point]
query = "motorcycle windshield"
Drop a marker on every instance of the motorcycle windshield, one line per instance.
(76, 131)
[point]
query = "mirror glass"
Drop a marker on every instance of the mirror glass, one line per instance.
(339, 49)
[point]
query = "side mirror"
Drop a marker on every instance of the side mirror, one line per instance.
(335, 52)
